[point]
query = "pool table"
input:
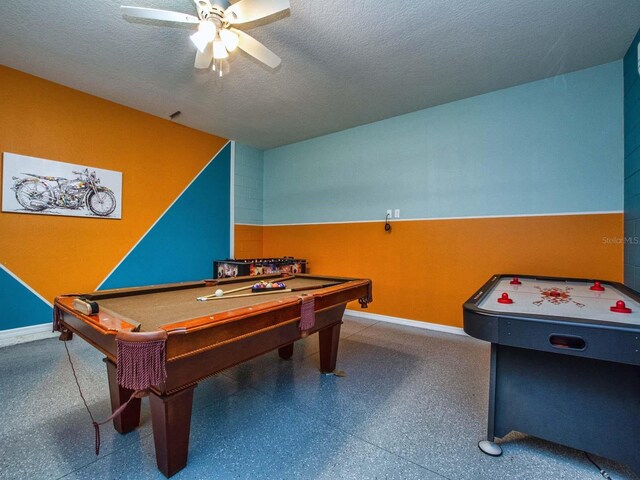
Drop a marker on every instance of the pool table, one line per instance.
(202, 338)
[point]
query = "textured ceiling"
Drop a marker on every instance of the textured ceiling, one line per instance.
(344, 62)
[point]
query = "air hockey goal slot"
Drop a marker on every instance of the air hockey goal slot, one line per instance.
(567, 342)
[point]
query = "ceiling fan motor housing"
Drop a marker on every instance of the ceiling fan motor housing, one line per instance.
(213, 13)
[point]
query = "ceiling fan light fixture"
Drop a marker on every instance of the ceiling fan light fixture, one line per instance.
(229, 39)
(220, 67)
(219, 50)
(205, 34)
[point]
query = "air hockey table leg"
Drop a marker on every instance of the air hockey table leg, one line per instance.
(488, 446)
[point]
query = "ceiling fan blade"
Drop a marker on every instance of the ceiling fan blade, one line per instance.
(203, 59)
(256, 49)
(155, 14)
(249, 10)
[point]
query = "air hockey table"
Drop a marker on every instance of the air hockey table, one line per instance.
(565, 362)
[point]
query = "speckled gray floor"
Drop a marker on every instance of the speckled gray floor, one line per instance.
(412, 406)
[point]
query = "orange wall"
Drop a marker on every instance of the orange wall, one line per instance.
(425, 270)
(158, 159)
(248, 241)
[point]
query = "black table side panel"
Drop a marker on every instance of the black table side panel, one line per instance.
(587, 404)
(611, 344)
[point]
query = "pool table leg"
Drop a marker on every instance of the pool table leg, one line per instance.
(171, 420)
(129, 419)
(286, 352)
(329, 338)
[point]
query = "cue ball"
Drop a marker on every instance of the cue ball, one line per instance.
(219, 293)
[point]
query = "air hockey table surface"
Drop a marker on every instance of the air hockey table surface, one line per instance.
(569, 299)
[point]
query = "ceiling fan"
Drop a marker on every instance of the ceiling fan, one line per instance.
(216, 37)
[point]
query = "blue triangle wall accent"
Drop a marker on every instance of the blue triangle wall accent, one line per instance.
(193, 233)
(20, 306)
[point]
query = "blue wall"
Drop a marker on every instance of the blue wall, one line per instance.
(20, 306)
(193, 233)
(550, 146)
(632, 166)
(248, 185)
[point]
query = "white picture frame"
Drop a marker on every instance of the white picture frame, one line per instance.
(34, 185)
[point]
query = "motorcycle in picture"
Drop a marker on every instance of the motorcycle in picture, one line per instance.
(37, 193)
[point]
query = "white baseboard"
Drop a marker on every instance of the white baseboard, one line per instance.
(403, 321)
(26, 334)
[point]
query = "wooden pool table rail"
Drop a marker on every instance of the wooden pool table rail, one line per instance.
(206, 332)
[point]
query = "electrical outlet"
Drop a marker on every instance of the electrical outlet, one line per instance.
(397, 213)
(389, 213)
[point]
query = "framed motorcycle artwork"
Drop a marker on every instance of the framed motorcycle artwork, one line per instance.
(46, 187)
